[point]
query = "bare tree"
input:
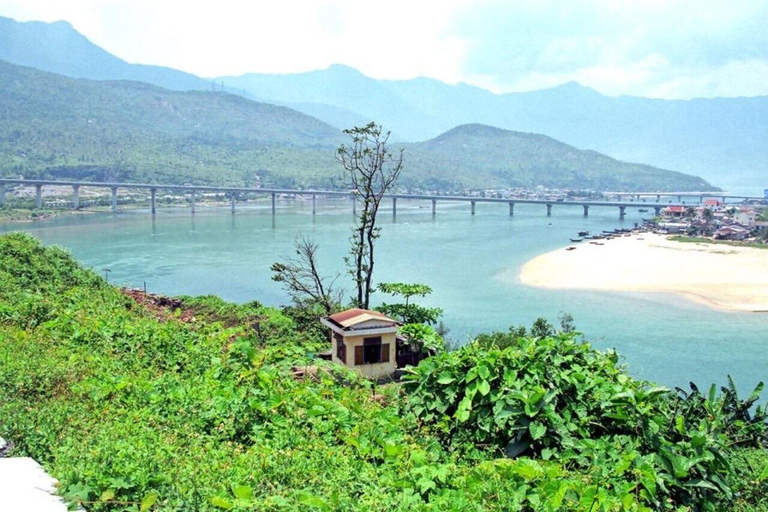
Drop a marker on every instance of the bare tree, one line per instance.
(370, 170)
(301, 278)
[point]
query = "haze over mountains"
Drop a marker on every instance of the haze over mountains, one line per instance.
(698, 135)
(716, 138)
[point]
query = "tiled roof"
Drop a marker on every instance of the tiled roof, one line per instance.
(356, 316)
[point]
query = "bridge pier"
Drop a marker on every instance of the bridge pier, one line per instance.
(549, 210)
(586, 210)
(75, 197)
(114, 199)
(657, 209)
(314, 204)
(39, 195)
(2, 195)
(723, 199)
(658, 198)
(153, 200)
(679, 199)
(273, 203)
(192, 201)
(232, 202)
(622, 212)
(434, 206)
(511, 209)
(473, 207)
(394, 206)
(354, 205)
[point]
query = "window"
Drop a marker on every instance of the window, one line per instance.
(372, 351)
(341, 349)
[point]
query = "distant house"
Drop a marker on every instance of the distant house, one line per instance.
(674, 227)
(732, 232)
(746, 218)
(367, 342)
(675, 211)
(712, 203)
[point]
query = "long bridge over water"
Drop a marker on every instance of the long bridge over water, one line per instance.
(232, 192)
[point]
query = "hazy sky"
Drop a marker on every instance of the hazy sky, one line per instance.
(658, 48)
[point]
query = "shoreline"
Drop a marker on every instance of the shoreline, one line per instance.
(725, 278)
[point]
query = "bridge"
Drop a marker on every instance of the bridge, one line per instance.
(723, 196)
(232, 192)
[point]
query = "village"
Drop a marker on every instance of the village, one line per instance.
(716, 220)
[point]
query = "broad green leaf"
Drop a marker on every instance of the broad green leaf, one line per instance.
(483, 387)
(537, 430)
(243, 492)
(445, 378)
(219, 502)
(148, 501)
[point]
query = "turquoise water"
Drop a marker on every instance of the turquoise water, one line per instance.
(463, 257)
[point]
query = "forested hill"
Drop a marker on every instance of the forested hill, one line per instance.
(522, 159)
(62, 127)
(55, 126)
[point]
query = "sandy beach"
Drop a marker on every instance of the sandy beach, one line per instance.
(719, 276)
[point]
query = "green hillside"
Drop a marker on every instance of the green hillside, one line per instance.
(197, 404)
(505, 158)
(57, 127)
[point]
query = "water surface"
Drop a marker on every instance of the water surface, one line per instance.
(470, 261)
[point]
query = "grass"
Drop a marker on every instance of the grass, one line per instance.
(702, 240)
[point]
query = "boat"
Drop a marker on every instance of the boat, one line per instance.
(583, 233)
(576, 240)
(642, 210)
(570, 248)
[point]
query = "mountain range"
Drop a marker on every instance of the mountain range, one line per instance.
(297, 145)
(721, 139)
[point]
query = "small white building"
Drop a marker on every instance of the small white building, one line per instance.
(746, 218)
(364, 340)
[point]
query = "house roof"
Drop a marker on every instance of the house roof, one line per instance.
(676, 208)
(355, 316)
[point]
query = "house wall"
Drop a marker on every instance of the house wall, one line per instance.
(367, 370)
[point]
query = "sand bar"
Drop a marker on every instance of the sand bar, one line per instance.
(719, 276)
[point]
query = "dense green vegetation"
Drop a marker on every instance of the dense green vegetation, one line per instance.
(198, 406)
(57, 127)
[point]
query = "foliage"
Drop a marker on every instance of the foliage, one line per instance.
(406, 312)
(424, 337)
(557, 399)
(200, 409)
(370, 171)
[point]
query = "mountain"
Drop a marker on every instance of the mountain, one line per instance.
(721, 139)
(59, 48)
(484, 156)
(55, 126)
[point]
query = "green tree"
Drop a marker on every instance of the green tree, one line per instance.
(423, 337)
(567, 324)
(371, 169)
(407, 312)
(542, 328)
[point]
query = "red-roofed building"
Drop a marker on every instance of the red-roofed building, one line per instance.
(364, 340)
(674, 211)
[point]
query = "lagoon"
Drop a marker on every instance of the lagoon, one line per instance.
(471, 262)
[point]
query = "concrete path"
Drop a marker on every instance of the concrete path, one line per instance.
(25, 486)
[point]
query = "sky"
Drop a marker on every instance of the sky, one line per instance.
(652, 48)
